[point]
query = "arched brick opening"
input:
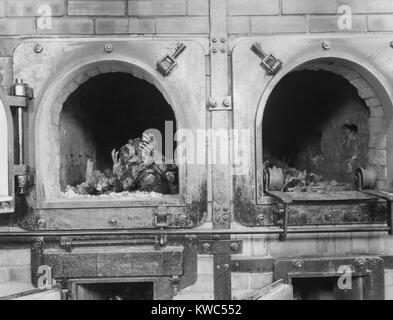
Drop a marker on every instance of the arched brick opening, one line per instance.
(368, 89)
(377, 154)
(48, 124)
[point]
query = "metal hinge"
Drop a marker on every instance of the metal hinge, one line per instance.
(161, 217)
(175, 282)
(161, 221)
(220, 103)
(166, 65)
(269, 62)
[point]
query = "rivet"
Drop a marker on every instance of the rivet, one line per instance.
(206, 247)
(299, 264)
(235, 247)
(214, 39)
(326, 45)
(214, 49)
(112, 222)
(360, 262)
(223, 39)
(38, 48)
(223, 50)
(108, 48)
(41, 223)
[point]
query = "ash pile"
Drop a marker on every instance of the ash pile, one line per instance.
(136, 168)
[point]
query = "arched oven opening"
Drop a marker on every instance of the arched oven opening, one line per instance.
(316, 128)
(324, 147)
(116, 139)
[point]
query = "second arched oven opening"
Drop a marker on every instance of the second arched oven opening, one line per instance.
(321, 122)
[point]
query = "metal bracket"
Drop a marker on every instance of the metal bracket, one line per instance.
(161, 221)
(166, 65)
(365, 182)
(220, 103)
(269, 62)
(23, 177)
(19, 102)
(21, 93)
(66, 243)
(220, 247)
(161, 217)
(175, 282)
(218, 44)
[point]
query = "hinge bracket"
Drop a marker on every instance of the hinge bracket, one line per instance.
(166, 65)
(161, 221)
(269, 62)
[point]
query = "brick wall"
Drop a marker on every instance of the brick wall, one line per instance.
(26, 17)
(307, 16)
(203, 288)
(15, 265)
(22, 17)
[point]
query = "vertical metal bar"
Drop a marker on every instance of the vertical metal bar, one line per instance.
(283, 236)
(222, 277)
(220, 122)
(390, 216)
(21, 157)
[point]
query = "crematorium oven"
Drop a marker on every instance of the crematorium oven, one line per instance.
(208, 166)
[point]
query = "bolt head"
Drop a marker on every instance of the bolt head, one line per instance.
(108, 48)
(326, 45)
(227, 102)
(206, 247)
(213, 103)
(299, 264)
(214, 49)
(223, 50)
(112, 222)
(38, 48)
(214, 39)
(360, 262)
(41, 223)
(223, 39)
(235, 247)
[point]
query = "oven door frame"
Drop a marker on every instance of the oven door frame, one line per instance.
(252, 86)
(61, 65)
(8, 205)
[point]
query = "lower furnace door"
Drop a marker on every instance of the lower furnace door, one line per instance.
(89, 271)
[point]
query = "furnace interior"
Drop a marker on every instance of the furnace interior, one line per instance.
(103, 114)
(116, 291)
(326, 288)
(316, 121)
